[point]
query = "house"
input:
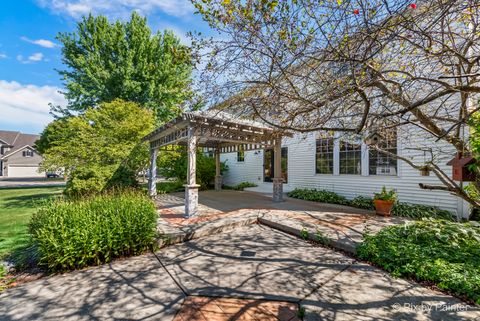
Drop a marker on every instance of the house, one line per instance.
(18, 157)
(348, 167)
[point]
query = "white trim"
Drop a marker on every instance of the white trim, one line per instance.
(26, 146)
(365, 160)
(336, 154)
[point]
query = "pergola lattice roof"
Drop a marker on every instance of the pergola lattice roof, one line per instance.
(215, 129)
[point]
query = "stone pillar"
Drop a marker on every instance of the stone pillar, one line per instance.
(191, 188)
(218, 175)
(152, 177)
(277, 175)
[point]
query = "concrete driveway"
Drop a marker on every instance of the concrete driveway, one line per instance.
(271, 272)
(30, 182)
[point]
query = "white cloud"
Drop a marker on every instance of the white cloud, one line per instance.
(40, 42)
(118, 8)
(28, 104)
(3, 56)
(38, 56)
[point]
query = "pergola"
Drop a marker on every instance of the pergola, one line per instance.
(215, 130)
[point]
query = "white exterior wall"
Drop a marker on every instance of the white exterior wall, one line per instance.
(301, 173)
(251, 170)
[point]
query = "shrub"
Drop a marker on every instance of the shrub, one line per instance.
(100, 148)
(318, 196)
(174, 165)
(445, 253)
(417, 211)
(363, 202)
(72, 234)
(170, 187)
(240, 187)
(414, 211)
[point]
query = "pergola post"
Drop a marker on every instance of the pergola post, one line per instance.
(218, 176)
(277, 175)
(191, 188)
(152, 177)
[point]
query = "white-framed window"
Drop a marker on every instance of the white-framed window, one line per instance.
(381, 163)
(324, 155)
(27, 153)
(350, 157)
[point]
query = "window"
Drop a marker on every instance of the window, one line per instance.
(350, 158)
(324, 156)
(241, 156)
(209, 152)
(27, 153)
(380, 163)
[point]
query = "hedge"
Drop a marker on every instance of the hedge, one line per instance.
(414, 211)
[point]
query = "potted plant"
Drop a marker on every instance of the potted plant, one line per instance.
(384, 201)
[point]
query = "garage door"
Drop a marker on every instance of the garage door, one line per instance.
(24, 171)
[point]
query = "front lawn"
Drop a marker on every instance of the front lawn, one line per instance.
(16, 207)
(444, 253)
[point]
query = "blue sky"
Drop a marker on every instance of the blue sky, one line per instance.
(29, 53)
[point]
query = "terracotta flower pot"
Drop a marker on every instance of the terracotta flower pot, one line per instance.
(383, 208)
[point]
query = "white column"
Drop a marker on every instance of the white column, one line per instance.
(277, 174)
(191, 188)
(152, 178)
(218, 175)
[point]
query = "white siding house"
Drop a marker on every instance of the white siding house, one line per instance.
(302, 170)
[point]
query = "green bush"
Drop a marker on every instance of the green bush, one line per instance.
(417, 211)
(72, 234)
(414, 211)
(170, 187)
(99, 149)
(240, 187)
(363, 202)
(445, 253)
(318, 196)
(174, 165)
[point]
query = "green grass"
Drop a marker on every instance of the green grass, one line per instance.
(16, 207)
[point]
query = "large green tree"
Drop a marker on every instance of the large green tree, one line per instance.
(99, 148)
(124, 60)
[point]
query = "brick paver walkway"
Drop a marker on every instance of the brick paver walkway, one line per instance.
(218, 211)
(196, 308)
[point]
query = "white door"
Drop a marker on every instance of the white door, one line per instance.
(24, 171)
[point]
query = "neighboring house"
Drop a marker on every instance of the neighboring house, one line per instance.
(319, 161)
(18, 157)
